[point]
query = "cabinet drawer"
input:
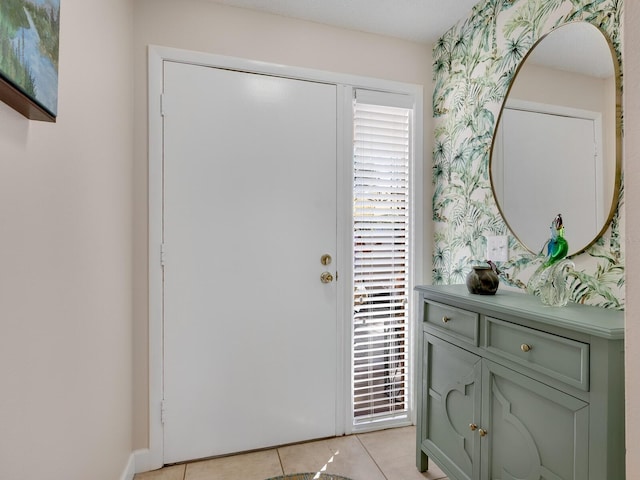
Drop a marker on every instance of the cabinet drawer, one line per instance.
(452, 322)
(558, 357)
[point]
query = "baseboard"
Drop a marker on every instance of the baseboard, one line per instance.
(139, 461)
(146, 460)
(130, 469)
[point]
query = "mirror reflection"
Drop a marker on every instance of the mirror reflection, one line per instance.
(555, 150)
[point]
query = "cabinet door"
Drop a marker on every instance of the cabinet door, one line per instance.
(534, 431)
(451, 382)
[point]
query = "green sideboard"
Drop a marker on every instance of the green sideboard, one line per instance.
(510, 389)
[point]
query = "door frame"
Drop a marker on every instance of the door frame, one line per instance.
(153, 457)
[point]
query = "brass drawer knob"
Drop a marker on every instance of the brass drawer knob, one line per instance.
(525, 348)
(445, 319)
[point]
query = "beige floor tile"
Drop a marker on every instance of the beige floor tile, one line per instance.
(342, 455)
(248, 466)
(175, 472)
(394, 452)
(383, 455)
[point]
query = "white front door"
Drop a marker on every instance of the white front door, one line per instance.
(250, 331)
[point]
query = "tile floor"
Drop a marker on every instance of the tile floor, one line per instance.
(383, 455)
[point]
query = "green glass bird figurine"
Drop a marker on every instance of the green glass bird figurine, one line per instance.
(557, 245)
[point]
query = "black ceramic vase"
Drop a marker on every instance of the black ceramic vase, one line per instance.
(483, 280)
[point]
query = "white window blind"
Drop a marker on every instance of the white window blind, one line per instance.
(381, 236)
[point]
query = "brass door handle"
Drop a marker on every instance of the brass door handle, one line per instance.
(482, 432)
(473, 427)
(326, 277)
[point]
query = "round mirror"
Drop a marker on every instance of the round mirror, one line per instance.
(556, 149)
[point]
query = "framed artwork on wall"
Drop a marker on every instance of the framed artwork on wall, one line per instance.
(29, 45)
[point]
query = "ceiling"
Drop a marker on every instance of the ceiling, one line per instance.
(422, 21)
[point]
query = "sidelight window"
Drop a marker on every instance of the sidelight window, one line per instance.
(382, 154)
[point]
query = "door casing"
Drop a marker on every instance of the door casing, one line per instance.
(152, 457)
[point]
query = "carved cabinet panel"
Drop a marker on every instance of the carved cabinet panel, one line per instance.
(452, 391)
(534, 431)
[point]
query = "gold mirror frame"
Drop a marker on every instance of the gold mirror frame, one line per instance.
(617, 145)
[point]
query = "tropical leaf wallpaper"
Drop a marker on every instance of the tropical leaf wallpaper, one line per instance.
(474, 63)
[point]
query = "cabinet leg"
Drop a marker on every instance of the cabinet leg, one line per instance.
(422, 461)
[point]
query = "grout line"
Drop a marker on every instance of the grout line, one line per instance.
(371, 457)
(280, 460)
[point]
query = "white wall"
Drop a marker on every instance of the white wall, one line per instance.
(200, 25)
(632, 233)
(65, 261)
